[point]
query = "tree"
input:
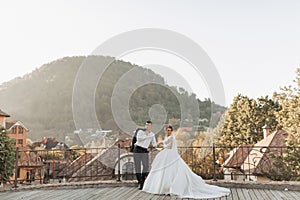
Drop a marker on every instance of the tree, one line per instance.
(7, 155)
(289, 120)
(289, 116)
(244, 119)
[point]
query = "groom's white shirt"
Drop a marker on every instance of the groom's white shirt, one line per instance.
(144, 140)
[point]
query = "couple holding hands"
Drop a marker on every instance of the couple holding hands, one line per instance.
(169, 173)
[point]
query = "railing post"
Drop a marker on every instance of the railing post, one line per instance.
(119, 162)
(16, 168)
(214, 160)
(249, 166)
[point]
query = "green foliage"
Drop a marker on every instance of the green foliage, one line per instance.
(280, 170)
(292, 160)
(149, 95)
(289, 116)
(244, 119)
(7, 155)
(287, 167)
(289, 120)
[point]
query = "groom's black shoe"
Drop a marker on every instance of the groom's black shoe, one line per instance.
(141, 186)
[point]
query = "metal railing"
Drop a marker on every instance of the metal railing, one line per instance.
(116, 163)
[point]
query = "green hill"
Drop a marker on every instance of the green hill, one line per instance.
(42, 100)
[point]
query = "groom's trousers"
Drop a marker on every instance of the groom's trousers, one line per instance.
(141, 159)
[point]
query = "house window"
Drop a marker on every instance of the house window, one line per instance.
(20, 142)
(14, 130)
(20, 130)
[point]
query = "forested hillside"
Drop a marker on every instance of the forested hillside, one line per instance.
(42, 100)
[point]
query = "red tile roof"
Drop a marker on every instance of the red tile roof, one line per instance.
(259, 158)
(9, 124)
(254, 158)
(99, 166)
(238, 156)
(76, 165)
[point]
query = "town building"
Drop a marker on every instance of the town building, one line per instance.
(252, 162)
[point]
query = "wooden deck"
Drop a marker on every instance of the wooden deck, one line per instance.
(132, 193)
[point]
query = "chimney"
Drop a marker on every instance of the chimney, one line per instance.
(266, 130)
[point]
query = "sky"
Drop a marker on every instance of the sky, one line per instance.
(254, 45)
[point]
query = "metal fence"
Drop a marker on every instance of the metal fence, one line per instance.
(245, 162)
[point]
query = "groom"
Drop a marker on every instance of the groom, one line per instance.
(140, 152)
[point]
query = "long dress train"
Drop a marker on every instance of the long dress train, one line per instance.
(169, 174)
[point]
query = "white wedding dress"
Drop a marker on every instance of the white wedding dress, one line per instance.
(169, 174)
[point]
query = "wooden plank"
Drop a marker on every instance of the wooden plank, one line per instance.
(119, 192)
(28, 194)
(74, 194)
(262, 194)
(85, 193)
(50, 194)
(289, 195)
(135, 194)
(295, 194)
(98, 193)
(279, 194)
(246, 194)
(147, 196)
(224, 198)
(71, 194)
(270, 194)
(236, 194)
(56, 194)
(158, 197)
(13, 194)
(114, 193)
(292, 194)
(132, 193)
(170, 197)
(165, 197)
(138, 195)
(229, 197)
(253, 194)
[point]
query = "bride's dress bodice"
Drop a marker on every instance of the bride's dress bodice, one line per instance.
(168, 142)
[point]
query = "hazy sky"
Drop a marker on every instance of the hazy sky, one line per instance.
(255, 45)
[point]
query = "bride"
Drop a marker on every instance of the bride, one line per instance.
(169, 174)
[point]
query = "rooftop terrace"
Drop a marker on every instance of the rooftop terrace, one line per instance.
(128, 190)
